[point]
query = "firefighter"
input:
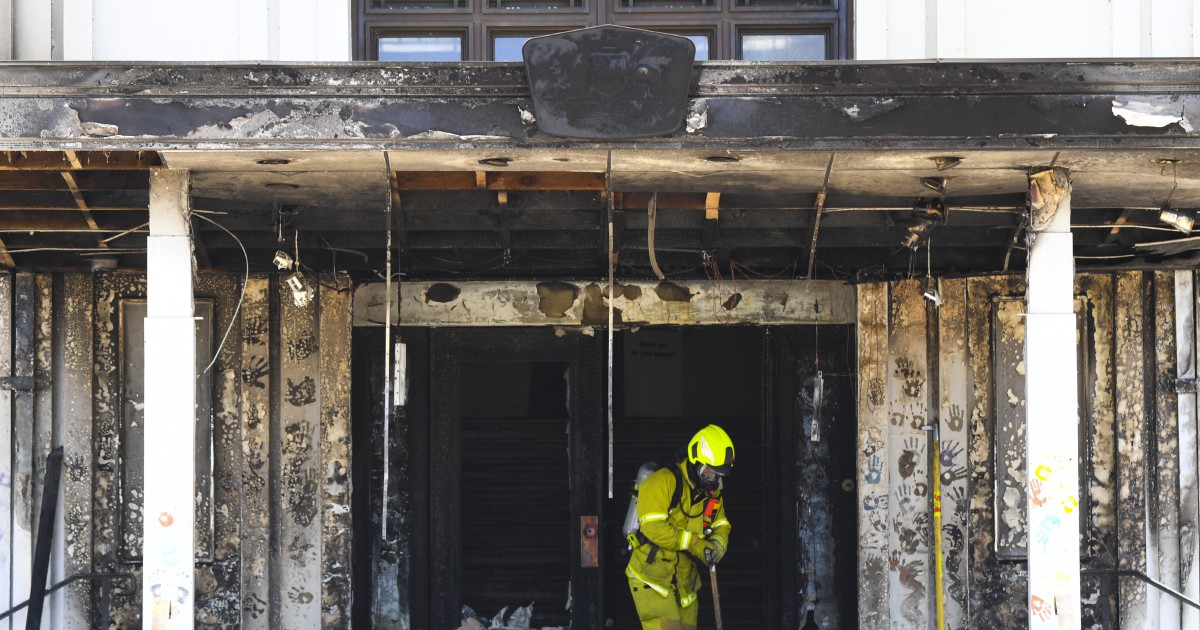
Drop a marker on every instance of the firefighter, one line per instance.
(682, 527)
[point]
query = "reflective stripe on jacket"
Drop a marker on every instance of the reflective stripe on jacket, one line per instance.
(672, 531)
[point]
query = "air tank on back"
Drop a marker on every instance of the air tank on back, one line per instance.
(631, 516)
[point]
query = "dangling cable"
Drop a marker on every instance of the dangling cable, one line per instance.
(241, 297)
(651, 218)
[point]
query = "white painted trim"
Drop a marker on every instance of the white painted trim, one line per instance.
(168, 578)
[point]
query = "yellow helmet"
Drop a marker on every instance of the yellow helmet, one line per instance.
(712, 447)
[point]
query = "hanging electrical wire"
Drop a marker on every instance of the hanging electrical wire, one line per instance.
(241, 297)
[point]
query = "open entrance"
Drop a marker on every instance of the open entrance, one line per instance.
(671, 383)
(499, 458)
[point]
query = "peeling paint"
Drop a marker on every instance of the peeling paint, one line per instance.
(520, 303)
(1148, 114)
(860, 112)
(697, 116)
(556, 298)
(668, 291)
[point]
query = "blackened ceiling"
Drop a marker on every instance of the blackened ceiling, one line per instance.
(783, 170)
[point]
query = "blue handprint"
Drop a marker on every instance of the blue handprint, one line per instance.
(874, 469)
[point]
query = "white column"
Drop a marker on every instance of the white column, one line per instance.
(168, 578)
(1052, 401)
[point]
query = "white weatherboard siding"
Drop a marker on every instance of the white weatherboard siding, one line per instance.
(987, 29)
(152, 30)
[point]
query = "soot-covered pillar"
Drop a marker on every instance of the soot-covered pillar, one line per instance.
(1051, 382)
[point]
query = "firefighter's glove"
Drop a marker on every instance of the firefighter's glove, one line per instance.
(718, 551)
(700, 545)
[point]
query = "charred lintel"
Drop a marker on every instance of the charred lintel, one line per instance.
(811, 106)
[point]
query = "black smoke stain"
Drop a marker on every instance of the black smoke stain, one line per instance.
(595, 310)
(556, 298)
(732, 302)
(670, 292)
(441, 292)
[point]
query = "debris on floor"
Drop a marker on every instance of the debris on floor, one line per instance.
(519, 619)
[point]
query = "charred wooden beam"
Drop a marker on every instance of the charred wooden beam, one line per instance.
(497, 180)
(77, 195)
(84, 160)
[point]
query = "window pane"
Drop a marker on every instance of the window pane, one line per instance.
(545, 5)
(420, 48)
(509, 48)
(779, 47)
(701, 42)
(418, 5)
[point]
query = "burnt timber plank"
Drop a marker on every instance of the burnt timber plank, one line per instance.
(219, 583)
(954, 392)
(83, 160)
(497, 180)
(256, 460)
(873, 473)
(1164, 501)
(72, 609)
(1189, 507)
(7, 566)
(335, 436)
(24, 329)
(909, 489)
(1133, 422)
(43, 397)
(996, 588)
(298, 514)
(1098, 479)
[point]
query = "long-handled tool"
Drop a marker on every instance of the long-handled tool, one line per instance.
(712, 576)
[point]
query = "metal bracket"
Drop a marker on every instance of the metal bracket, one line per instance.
(24, 383)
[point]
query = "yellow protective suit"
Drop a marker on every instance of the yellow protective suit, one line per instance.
(665, 589)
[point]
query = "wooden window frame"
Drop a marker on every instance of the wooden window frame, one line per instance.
(724, 23)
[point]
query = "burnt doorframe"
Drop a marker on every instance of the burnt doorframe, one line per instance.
(441, 442)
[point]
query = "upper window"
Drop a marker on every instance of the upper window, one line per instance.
(420, 48)
(783, 46)
(495, 30)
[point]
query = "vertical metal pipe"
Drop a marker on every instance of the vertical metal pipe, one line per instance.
(611, 297)
(387, 354)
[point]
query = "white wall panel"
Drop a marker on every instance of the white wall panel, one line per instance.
(157, 30)
(988, 29)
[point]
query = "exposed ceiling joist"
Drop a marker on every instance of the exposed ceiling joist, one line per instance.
(77, 195)
(498, 180)
(82, 160)
(6, 259)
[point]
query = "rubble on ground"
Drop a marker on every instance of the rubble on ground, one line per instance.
(519, 619)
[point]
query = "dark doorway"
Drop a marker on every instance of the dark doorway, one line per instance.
(501, 452)
(671, 383)
(516, 506)
(515, 460)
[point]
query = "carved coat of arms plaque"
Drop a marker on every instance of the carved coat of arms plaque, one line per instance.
(609, 82)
